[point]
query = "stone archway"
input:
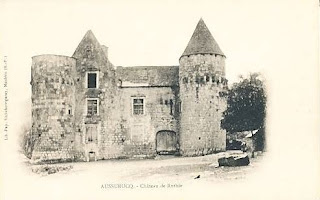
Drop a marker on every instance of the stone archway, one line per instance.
(166, 142)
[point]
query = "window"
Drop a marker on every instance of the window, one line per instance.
(91, 134)
(197, 79)
(171, 107)
(138, 106)
(92, 107)
(90, 137)
(201, 79)
(92, 80)
(179, 106)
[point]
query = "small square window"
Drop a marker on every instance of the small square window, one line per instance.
(92, 80)
(197, 79)
(138, 106)
(201, 79)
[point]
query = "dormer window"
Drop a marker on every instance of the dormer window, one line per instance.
(92, 80)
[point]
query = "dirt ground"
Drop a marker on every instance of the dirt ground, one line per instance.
(168, 168)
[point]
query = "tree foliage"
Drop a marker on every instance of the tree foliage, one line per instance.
(246, 108)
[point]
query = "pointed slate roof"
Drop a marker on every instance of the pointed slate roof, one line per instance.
(89, 34)
(202, 42)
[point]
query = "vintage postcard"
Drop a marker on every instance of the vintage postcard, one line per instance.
(159, 99)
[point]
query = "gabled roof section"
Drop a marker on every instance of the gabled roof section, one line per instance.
(90, 42)
(202, 42)
(148, 76)
(91, 55)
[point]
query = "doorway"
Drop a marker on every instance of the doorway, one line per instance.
(92, 156)
(166, 142)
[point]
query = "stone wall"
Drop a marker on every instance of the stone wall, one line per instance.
(53, 103)
(202, 82)
(61, 123)
(135, 135)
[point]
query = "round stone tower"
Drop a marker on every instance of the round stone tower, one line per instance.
(53, 100)
(202, 85)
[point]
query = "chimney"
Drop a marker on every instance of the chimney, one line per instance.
(105, 50)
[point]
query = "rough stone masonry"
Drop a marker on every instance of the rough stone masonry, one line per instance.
(86, 109)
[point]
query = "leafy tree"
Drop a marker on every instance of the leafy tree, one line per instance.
(246, 110)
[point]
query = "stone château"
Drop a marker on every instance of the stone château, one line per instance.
(85, 109)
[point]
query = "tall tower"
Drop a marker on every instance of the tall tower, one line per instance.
(202, 82)
(53, 104)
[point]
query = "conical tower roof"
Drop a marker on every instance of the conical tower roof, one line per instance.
(202, 42)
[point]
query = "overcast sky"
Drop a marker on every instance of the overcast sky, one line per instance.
(151, 32)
